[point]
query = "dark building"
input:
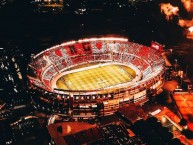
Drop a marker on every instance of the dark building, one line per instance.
(10, 72)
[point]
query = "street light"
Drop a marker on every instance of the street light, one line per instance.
(171, 51)
(176, 63)
(181, 77)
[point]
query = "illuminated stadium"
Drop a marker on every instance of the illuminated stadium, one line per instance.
(81, 78)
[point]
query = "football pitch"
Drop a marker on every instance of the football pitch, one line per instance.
(97, 78)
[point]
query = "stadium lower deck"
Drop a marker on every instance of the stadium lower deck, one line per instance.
(93, 77)
(96, 77)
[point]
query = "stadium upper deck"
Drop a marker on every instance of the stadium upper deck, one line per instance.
(58, 59)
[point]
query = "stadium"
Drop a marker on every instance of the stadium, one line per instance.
(94, 76)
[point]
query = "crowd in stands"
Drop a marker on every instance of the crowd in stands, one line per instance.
(88, 104)
(58, 59)
(47, 64)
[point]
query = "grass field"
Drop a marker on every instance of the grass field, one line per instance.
(96, 78)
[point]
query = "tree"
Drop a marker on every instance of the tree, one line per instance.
(183, 122)
(188, 133)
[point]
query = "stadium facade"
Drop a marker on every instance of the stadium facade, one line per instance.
(50, 65)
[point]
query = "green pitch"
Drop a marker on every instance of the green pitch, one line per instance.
(96, 78)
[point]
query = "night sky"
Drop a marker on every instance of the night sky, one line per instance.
(141, 22)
